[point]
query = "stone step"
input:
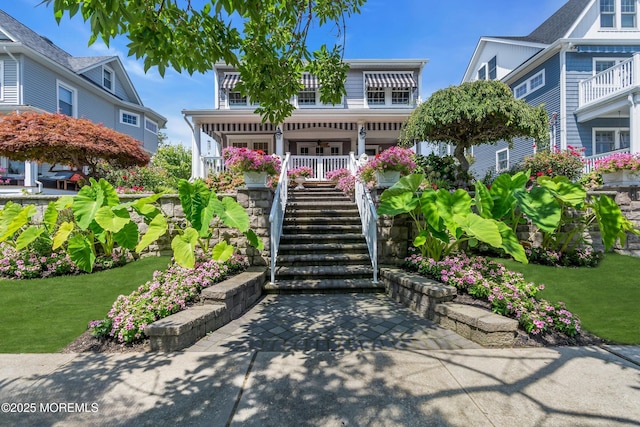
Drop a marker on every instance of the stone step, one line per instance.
(327, 248)
(320, 258)
(294, 206)
(323, 286)
(311, 228)
(316, 220)
(301, 238)
(317, 272)
(324, 212)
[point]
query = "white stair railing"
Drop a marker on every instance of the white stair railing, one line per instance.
(368, 216)
(276, 217)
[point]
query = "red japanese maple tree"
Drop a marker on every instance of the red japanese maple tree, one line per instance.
(64, 140)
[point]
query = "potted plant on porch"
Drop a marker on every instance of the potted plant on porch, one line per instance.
(620, 169)
(256, 165)
(387, 167)
(299, 175)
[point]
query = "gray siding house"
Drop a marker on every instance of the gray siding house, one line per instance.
(380, 96)
(583, 64)
(37, 75)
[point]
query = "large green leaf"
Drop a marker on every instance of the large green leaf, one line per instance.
(184, 246)
(484, 230)
(429, 208)
(62, 234)
(50, 217)
(511, 244)
(13, 218)
(502, 192)
(112, 219)
(28, 236)
(406, 184)
(540, 207)
(610, 220)
(398, 204)
(254, 239)
(64, 202)
(81, 253)
(484, 202)
(127, 236)
(111, 197)
(453, 204)
(194, 199)
(157, 228)
(569, 193)
(86, 204)
(231, 213)
(222, 251)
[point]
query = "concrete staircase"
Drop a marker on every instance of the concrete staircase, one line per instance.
(322, 249)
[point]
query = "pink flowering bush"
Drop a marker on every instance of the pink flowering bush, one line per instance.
(245, 160)
(304, 171)
(577, 257)
(345, 181)
(619, 161)
(507, 291)
(567, 163)
(393, 159)
(167, 293)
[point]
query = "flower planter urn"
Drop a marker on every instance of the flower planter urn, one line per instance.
(300, 180)
(255, 179)
(387, 178)
(621, 178)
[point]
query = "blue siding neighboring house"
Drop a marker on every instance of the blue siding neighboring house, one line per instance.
(583, 64)
(37, 75)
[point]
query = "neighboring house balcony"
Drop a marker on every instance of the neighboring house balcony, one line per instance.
(613, 93)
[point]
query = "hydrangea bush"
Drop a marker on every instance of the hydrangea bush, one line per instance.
(168, 292)
(507, 291)
(245, 160)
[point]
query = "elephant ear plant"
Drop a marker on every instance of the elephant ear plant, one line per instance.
(444, 220)
(200, 206)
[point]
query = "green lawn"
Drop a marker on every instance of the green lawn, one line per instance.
(607, 298)
(44, 315)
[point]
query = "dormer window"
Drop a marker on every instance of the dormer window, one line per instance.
(390, 89)
(628, 14)
(308, 96)
(107, 78)
(613, 12)
(607, 13)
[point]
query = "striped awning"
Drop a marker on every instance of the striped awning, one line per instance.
(390, 80)
(309, 81)
(229, 81)
(607, 49)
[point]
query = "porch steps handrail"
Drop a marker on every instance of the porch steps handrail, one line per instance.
(610, 81)
(368, 215)
(590, 161)
(320, 164)
(276, 216)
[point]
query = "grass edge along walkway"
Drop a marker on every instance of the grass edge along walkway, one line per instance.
(606, 298)
(45, 315)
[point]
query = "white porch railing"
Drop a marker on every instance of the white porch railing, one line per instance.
(590, 162)
(320, 164)
(368, 216)
(610, 81)
(276, 217)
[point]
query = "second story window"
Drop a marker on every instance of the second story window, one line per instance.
(236, 98)
(375, 96)
(628, 14)
(390, 89)
(482, 72)
(307, 97)
(129, 118)
(400, 95)
(493, 68)
(107, 79)
(66, 100)
(607, 13)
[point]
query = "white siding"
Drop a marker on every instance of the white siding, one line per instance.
(589, 26)
(10, 88)
(354, 86)
(508, 57)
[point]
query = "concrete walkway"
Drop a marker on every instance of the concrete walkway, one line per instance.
(342, 378)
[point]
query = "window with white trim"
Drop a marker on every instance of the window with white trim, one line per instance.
(151, 126)
(107, 78)
(129, 118)
(502, 160)
(531, 84)
(376, 96)
(493, 68)
(252, 144)
(307, 97)
(607, 13)
(628, 14)
(603, 64)
(237, 99)
(618, 14)
(67, 100)
(400, 95)
(482, 72)
(610, 139)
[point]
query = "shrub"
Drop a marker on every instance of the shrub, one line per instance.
(224, 182)
(591, 180)
(439, 170)
(175, 159)
(507, 291)
(566, 163)
(578, 257)
(168, 292)
(139, 179)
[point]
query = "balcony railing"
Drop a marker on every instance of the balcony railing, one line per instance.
(590, 162)
(611, 81)
(320, 164)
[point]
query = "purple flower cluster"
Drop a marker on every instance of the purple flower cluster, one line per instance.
(27, 264)
(578, 257)
(245, 160)
(507, 291)
(618, 162)
(392, 159)
(168, 292)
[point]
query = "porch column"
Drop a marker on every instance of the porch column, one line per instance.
(362, 138)
(279, 141)
(196, 162)
(30, 173)
(634, 122)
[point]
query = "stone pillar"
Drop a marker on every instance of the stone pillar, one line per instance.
(257, 203)
(394, 235)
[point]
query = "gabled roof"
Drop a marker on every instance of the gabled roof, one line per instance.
(80, 64)
(559, 24)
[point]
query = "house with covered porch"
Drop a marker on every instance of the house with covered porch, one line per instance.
(583, 63)
(380, 96)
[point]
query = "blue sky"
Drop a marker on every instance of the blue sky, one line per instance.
(445, 33)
